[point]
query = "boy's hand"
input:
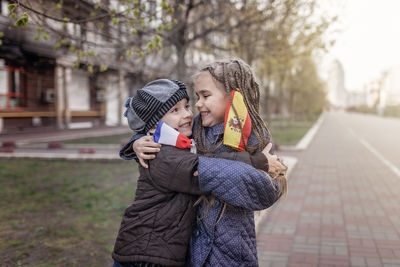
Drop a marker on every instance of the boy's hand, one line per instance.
(143, 146)
(274, 166)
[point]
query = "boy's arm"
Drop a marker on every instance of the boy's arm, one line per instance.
(172, 170)
(237, 183)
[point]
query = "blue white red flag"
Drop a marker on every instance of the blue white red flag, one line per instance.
(167, 135)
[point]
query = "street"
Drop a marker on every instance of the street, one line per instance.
(343, 205)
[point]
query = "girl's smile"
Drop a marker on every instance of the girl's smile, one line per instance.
(212, 99)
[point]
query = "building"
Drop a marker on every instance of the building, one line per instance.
(389, 93)
(390, 89)
(40, 88)
(337, 93)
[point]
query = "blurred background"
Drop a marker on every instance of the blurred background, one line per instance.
(67, 67)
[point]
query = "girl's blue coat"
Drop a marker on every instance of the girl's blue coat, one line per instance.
(231, 241)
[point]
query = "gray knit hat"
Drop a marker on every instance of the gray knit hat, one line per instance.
(152, 102)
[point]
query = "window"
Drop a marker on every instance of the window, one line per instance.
(11, 88)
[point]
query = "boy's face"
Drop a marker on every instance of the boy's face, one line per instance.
(180, 117)
(212, 99)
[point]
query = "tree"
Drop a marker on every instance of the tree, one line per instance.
(306, 91)
(272, 36)
(116, 32)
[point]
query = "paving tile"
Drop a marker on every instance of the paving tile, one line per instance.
(344, 204)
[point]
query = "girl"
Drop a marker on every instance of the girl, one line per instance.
(225, 234)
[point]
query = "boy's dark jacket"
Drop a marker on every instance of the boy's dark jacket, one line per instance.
(157, 227)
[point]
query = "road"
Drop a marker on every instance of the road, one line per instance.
(343, 206)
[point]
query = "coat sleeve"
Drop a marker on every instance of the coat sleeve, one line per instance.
(172, 170)
(258, 160)
(127, 151)
(237, 183)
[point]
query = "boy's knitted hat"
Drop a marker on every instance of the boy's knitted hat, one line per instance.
(152, 102)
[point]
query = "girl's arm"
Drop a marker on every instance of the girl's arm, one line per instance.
(173, 168)
(140, 148)
(258, 160)
(237, 183)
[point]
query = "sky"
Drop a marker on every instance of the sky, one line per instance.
(368, 40)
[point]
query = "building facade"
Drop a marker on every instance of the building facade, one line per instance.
(40, 88)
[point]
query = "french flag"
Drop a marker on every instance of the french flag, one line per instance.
(167, 135)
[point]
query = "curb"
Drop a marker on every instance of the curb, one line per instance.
(306, 140)
(71, 146)
(51, 156)
(71, 136)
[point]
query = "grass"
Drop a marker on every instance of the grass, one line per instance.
(62, 213)
(110, 139)
(286, 132)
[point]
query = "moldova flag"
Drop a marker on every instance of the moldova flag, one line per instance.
(235, 125)
(167, 135)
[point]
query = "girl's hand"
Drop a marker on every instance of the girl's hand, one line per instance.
(143, 146)
(274, 166)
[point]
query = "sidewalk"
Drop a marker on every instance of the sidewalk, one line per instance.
(343, 208)
(35, 145)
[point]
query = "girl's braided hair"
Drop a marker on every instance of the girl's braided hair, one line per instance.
(235, 74)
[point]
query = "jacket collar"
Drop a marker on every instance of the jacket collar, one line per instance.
(216, 129)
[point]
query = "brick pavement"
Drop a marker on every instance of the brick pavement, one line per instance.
(343, 208)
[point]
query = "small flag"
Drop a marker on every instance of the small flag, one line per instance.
(167, 135)
(232, 131)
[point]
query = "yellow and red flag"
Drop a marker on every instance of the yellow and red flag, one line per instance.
(234, 126)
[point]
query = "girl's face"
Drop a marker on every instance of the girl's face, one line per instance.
(180, 117)
(212, 99)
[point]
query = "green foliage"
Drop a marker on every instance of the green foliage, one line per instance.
(305, 89)
(90, 68)
(22, 21)
(57, 46)
(59, 5)
(103, 67)
(115, 21)
(135, 15)
(11, 8)
(128, 53)
(45, 36)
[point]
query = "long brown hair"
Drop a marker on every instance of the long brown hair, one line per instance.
(235, 74)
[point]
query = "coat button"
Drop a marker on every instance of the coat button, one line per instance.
(197, 233)
(208, 240)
